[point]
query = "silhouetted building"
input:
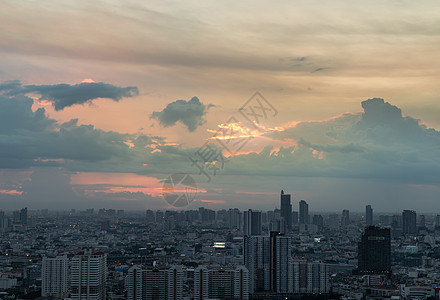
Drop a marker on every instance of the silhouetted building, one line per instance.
(23, 216)
(294, 217)
(409, 223)
(345, 219)
(368, 215)
(303, 212)
(252, 222)
(318, 220)
(422, 222)
(374, 251)
(286, 211)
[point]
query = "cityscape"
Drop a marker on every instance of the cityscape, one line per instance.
(196, 150)
(285, 253)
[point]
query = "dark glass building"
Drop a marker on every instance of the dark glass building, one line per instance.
(286, 211)
(374, 251)
(409, 222)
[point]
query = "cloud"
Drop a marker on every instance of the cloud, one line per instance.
(379, 144)
(318, 70)
(65, 95)
(190, 113)
(31, 139)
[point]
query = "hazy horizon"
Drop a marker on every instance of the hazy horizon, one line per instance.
(101, 102)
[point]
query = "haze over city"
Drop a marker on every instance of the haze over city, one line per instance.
(100, 102)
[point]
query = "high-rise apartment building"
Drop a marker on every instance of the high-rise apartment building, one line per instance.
(88, 276)
(374, 251)
(286, 211)
(268, 260)
(310, 277)
(409, 224)
(241, 283)
(154, 283)
(54, 275)
(221, 283)
(303, 212)
(201, 283)
(175, 283)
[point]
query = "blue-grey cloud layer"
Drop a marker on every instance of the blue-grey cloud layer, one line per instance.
(65, 95)
(378, 144)
(190, 113)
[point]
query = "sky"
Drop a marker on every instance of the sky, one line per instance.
(334, 102)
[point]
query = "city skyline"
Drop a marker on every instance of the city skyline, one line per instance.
(344, 98)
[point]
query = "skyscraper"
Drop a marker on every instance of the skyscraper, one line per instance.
(286, 211)
(88, 276)
(54, 274)
(374, 251)
(252, 222)
(409, 222)
(368, 215)
(303, 212)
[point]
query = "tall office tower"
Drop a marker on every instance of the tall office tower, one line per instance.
(54, 274)
(310, 277)
(201, 283)
(345, 219)
(303, 212)
(409, 222)
(175, 283)
(23, 216)
(88, 276)
(252, 222)
(318, 220)
(374, 251)
(286, 211)
(368, 215)
(268, 260)
(241, 283)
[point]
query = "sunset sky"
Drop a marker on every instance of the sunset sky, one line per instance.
(100, 101)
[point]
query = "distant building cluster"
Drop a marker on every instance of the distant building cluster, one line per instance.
(223, 254)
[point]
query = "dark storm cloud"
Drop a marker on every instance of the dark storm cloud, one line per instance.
(65, 95)
(190, 113)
